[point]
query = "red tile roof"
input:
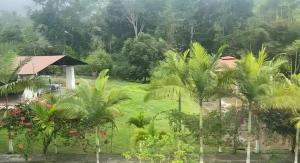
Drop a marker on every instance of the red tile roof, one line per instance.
(36, 63)
(227, 61)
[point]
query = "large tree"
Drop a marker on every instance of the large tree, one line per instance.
(143, 54)
(64, 23)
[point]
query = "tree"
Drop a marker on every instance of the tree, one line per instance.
(293, 52)
(199, 78)
(12, 35)
(202, 69)
(47, 118)
(99, 60)
(224, 88)
(33, 43)
(9, 82)
(59, 22)
(285, 95)
(173, 68)
(44, 123)
(95, 105)
(254, 77)
(143, 54)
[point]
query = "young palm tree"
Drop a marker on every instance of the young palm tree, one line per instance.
(43, 120)
(9, 82)
(95, 105)
(46, 112)
(254, 77)
(225, 85)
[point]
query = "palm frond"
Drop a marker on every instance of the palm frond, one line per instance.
(284, 96)
(115, 97)
(101, 80)
(19, 85)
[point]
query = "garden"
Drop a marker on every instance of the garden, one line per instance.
(158, 81)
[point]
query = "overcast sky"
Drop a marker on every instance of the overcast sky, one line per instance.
(19, 6)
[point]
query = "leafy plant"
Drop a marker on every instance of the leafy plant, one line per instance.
(140, 121)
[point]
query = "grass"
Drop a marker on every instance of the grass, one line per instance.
(123, 134)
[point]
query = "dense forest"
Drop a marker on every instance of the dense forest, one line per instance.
(131, 36)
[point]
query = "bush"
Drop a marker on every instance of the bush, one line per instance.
(98, 61)
(142, 54)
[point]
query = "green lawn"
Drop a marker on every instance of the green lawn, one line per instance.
(123, 134)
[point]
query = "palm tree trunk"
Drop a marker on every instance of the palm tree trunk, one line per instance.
(55, 146)
(98, 150)
(179, 110)
(140, 149)
(10, 142)
(111, 138)
(258, 138)
(297, 146)
(236, 133)
(201, 153)
(221, 129)
(236, 125)
(10, 139)
(249, 133)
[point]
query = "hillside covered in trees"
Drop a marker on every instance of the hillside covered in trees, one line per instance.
(131, 36)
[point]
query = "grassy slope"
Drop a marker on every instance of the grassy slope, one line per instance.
(136, 105)
(132, 107)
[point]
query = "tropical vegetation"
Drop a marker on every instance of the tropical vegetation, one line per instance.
(165, 81)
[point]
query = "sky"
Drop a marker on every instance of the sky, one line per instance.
(19, 6)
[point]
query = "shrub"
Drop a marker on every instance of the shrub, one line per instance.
(142, 54)
(98, 60)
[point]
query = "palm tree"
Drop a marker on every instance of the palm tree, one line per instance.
(47, 114)
(9, 82)
(286, 95)
(193, 73)
(169, 78)
(255, 77)
(203, 76)
(95, 105)
(43, 120)
(225, 84)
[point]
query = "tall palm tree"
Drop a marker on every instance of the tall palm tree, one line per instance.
(255, 77)
(286, 95)
(95, 105)
(9, 82)
(203, 69)
(169, 78)
(224, 88)
(193, 73)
